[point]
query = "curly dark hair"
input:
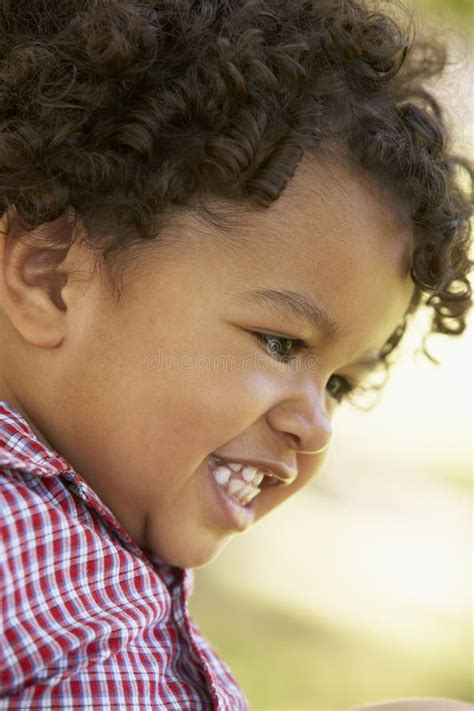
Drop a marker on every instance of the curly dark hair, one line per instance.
(124, 112)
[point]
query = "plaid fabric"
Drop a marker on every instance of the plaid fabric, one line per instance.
(89, 620)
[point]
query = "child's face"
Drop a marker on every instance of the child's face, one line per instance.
(139, 427)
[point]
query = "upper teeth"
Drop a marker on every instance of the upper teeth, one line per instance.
(222, 474)
(250, 474)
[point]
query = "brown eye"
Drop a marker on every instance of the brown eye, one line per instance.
(281, 347)
(339, 387)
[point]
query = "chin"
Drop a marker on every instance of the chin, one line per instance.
(194, 556)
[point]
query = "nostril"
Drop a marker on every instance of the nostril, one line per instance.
(293, 441)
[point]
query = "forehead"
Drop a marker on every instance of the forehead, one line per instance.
(335, 236)
(331, 208)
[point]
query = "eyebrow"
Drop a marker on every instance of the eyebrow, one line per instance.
(291, 304)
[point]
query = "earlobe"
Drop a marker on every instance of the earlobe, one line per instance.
(31, 280)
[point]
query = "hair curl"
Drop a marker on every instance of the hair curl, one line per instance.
(127, 111)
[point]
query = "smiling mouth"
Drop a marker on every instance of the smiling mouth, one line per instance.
(242, 482)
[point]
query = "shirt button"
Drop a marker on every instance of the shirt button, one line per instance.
(82, 491)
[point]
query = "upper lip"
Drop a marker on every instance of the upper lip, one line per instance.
(280, 471)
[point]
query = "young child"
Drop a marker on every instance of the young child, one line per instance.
(216, 220)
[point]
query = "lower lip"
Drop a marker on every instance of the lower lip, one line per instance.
(227, 513)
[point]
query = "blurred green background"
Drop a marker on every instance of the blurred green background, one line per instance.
(359, 588)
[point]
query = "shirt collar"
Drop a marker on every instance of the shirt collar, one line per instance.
(20, 445)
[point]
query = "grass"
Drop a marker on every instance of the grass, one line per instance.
(462, 8)
(287, 663)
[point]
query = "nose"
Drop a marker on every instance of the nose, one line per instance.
(304, 422)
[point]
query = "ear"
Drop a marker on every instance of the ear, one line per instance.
(32, 277)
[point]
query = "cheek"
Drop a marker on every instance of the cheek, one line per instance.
(188, 409)
(233, 393)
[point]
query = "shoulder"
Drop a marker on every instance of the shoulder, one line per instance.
(26, 507)
(35, 538)
(57, 584)
(37, 533)
(31, 490)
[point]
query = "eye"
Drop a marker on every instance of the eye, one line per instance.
(281, 347)
(339, 387)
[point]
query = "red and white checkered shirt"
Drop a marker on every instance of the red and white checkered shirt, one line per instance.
(89, 620)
